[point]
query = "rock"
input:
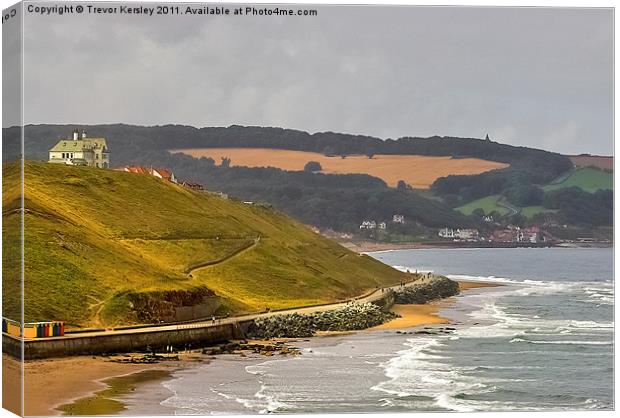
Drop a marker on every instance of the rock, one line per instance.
(348, 318)
(437, 287)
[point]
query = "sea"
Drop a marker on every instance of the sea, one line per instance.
(541, 341)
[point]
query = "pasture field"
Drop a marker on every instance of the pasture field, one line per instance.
(416, 170)
(605, 163)
(488, 204)
(588, 179)
(530, 211)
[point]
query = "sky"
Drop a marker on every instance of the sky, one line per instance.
(536, 77)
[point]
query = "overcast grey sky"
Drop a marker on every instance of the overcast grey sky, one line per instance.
(534, 77)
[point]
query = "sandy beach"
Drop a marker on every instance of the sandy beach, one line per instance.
(426, 314)
(52, 383)
(370, 246)
(55, 382)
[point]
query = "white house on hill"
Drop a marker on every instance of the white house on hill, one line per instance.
(79, 150)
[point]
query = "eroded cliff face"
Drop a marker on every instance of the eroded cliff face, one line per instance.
(169, 306)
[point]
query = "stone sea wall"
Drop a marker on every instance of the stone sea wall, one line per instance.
(355, 316)
(436, 287)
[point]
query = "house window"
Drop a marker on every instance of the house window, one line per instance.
(63, 155)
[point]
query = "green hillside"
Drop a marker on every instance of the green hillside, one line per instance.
(488, 204)
(589, 179)
(105, 248)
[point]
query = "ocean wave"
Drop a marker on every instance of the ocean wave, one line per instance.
(415, 372)
(595, 292)
(515, 340)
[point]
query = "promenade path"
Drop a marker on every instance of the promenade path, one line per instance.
(372, 296)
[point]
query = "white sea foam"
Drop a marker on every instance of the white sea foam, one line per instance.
(516, 340)
(262, 401)
(416, 372)
(422, 370)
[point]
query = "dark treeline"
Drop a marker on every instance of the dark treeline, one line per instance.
(337, 201)
(577, 207)
(340, 202)
(178, 136)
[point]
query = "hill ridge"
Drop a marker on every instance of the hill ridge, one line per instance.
(92, 238)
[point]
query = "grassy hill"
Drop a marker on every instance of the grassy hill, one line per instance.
(488, 204)
(106, 248)
(589, 179)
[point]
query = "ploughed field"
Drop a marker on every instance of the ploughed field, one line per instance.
(108, 248)
(417, 170)
(602, 162)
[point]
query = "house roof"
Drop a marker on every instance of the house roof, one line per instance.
(137, 169)
(163, 172)
(79, 145)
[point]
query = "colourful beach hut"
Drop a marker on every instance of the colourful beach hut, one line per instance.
(33, 329)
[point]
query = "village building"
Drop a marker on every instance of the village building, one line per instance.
(398, 219)
(509, 234)
(164, 174)
(80, 150)
(160, 173)
(382, 225)
(465, 234)
(368, 225)
(446, 233)
(192, 185)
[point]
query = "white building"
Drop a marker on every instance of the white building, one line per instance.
(368, 225)
(446, 233)
(398, 219)
(382, 225)
(91, 152)
(467, 234)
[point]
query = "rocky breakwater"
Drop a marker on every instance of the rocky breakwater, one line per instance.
(355, 316)
(426, 290)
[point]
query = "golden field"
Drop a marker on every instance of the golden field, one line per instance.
(417, 170)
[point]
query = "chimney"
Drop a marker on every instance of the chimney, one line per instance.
(75, 135)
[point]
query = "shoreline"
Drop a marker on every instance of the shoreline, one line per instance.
(70, 379)
(101, 383)
(416, 315)
(371, 247)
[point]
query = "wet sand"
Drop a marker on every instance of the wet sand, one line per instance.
(476, 285)
(414, 316)
(89, 385)
(52, 383)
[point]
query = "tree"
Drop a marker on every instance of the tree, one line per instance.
(225, 162)
(524, 195)
(329, 151)
(402, 186)
(369, 152)
(313, 166)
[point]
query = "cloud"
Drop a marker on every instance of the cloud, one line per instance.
(524, 75)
